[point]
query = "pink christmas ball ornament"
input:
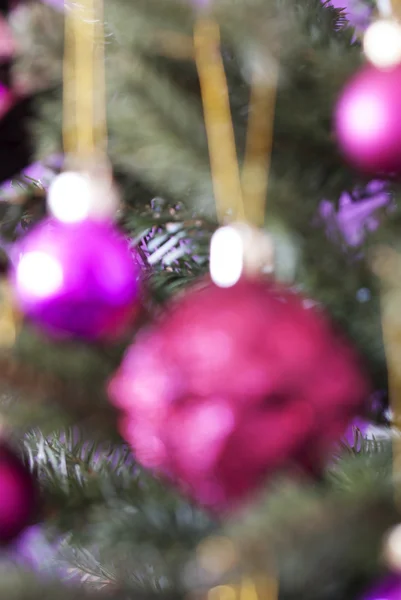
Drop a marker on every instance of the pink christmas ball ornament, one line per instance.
(18, 497)
(76, 280)
(367, 121)
(232, 385)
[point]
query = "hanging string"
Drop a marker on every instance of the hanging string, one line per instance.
(10, 318)
(255, 174)
(242, 198)
(396, 8)
(261, 588)
(220, 133)
(100, 122)
(217, 556)
(386, 265)
(84, 114)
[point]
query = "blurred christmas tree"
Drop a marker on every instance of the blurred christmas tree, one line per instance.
(189, 441)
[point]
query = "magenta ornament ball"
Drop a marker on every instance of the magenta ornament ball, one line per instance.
(387, 589)
(232, 385)
(76, 280)
(18, 497)
(367, 121)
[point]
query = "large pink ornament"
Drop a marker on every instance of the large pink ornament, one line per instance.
(233, 385)
(18, 497)
(76, 280)
(367, 121)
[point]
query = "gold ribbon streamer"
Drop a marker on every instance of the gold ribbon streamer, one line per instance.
(249, 589)
(84, 118)
(220, 133)
(240, 199)
(396, 8)
(386, 264)
(10, 318)
(255, 174)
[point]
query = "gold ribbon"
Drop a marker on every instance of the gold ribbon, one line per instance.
(10, 318)
(236, 199)
(396, 8)
(386, 264)
(84, 115)
(263, 588)
(220, 132)
(217, 556)
(255, 174)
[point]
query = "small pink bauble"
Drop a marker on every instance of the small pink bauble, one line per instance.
(367, 121)
(18, 495)
(232, 385)
(76, 280)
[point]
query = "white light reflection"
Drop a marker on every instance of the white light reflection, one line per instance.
(382, 43)
(366, 117)
(226, 257)
(74, 197)
(39, 274)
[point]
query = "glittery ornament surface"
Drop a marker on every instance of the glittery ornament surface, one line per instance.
(367, 120)
(76, 280)
(234, 384)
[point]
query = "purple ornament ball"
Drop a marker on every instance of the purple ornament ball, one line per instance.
(387, 589)
(19, 495)
(76, 280)
(367, 121)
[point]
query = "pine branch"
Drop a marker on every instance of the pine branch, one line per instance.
(18, 585)
(63, 380)
(174, 246)
(327, 539)
(115, 522)
(93, 473)
(124, 509)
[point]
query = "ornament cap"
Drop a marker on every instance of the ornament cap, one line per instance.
(76, 196)
(382, 43)
(240, 249)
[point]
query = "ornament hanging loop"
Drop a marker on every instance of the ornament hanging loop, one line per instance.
(219, 127)
(240, 249)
